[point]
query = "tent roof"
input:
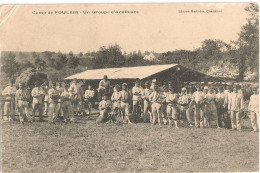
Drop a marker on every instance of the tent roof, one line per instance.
(140, 72)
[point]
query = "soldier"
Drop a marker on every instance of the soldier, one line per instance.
(137, 93)
(125, 100)
(226, 103)
(184, 101)
(220, 103)
(105, 107)
(115, 98)
(104, 86)
(147, 105)
(197, 99)
(45, 89)
(9, 96)
(253, 108)
(172, 111)
(211, 110)
(89, 98)
(163, 94)
(54, 96)
(236, 106)
(76, 99)
(152, 84)
(156, 105)
(22, 103)
(66, 105)
(37, 103)
(59, 88)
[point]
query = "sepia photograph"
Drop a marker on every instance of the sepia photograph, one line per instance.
(155, 87)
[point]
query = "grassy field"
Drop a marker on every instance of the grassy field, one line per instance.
(86, 147)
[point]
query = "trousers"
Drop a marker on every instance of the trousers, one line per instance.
(9, 109)
(53, 112)
(235, 119)
(157, 114)
(35, 107)
(254, 120)
(23, 109)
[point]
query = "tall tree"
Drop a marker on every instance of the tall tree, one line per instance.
(9, 65)
(248, 42)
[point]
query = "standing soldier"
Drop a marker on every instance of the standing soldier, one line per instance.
(45, 89)
(172, 111)
(22, 103)
(66, 105)
(156, 105)
(104, 87)
(220, 103)
(37, 103)
(211, 111)
(115, 98)
(60, 90)
(184, 101)
(197, 99)
(228, 95)
(253, 108)
(9, 96)
(236, 106)
(125, 100)
(76, 96)
(89, 98)
(163, 94)
(147, 105)
(137, 93)
(54, 95)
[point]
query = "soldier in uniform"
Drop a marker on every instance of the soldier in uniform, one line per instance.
(59, 88)
(220, 103)
(124, 101)
(76, 96)
(66, 105)
(104, 87)
(45, 89)
(253, 108)
(54, 96)
(105, 107)
(9, 97)
(88, 98)
(22, 103)
(184, 101)
(172, 110)
(236, 106)
(156, 100)
(197, 99)
(37, 104)
(115, 98)
(137, 93)
(147, 105)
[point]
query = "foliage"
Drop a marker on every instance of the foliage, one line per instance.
(9, 65)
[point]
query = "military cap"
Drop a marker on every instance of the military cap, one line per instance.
(124, 84)
(183, 89)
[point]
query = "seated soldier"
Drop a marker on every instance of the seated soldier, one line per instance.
(105, 107)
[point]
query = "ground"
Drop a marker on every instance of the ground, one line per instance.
(86, 147)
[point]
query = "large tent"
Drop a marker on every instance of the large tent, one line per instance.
(167, 72)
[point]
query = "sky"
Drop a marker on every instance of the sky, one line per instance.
(156, 27)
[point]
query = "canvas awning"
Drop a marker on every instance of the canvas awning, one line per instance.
(140, 72)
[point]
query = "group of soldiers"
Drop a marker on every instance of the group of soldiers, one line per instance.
(196, 105)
